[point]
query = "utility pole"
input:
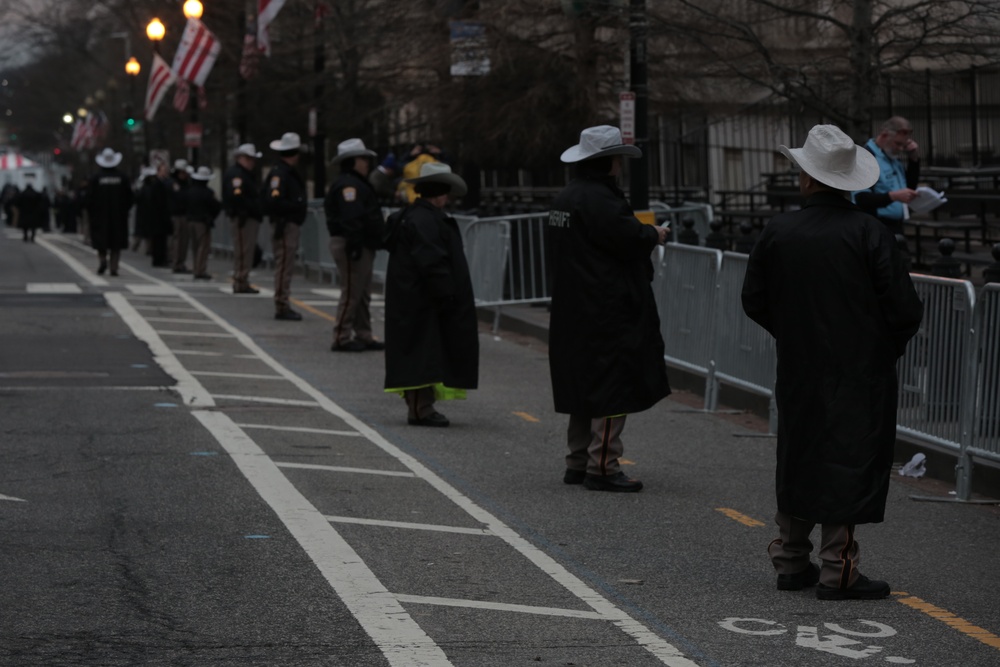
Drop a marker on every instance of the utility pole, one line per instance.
(639, 167)
(319, 136)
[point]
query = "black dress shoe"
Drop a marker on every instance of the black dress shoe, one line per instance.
(374, 344)
(863, 589)
(574, 476)
(288, 315)
(203, 276)
(114, 273)
(349, 346)
(796, 582)
(619, 482)
(245, 290)
(433, 419)
(182, 270)
(102, 268)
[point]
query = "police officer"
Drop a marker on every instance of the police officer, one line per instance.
(203, 208)
(354, 219)
(109, 198)
(241, 200)
(178, 215)
(286, 205)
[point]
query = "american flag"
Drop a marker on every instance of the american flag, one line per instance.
(196, 54)
(182, 95)
(266, 11)
(249, 61)
(160, 79)
(89, 131)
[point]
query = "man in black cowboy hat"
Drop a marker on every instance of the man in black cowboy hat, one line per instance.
(354, 220)
(109, 198)
(829, 284)
(605, 347)
(285, 203)
(241, 200)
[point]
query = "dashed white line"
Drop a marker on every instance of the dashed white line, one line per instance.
(242, 376)
(501, 606)
(53, 288)
(197, 334)
(265, 399)
(301, 429)
(408, 525)
(360, 471)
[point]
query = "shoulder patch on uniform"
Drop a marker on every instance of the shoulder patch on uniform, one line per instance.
(275, 182)
(350, 194)
(237, 182)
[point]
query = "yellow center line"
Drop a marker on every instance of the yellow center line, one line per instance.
(314, 311)
(948, 618)
(626, 462)
(738, 516)
(526, 417)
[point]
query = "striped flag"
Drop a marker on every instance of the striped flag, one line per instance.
(251, 54)
(161, 77)
(182, 95)
(196, 54)
(266, 11)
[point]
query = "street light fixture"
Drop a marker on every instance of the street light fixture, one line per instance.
(67, 118)
(155, 31)
(193, 9)
(132, 67)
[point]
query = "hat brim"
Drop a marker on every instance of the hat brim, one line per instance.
(358, 153)
(255, 156)
(283, 148)
(458, 186)
(196, 177)
(115, 160)
(862, 176)
(577, 154)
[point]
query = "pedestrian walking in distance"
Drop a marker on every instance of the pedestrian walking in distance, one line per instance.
(286, 205)
(828, 282)
(109, 198)
(431, 328)
(605, 348)
(242, 203)
(354, 220)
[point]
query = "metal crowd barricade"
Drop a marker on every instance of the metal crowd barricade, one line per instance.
(685, 289)
(222, 236)
(985, 428)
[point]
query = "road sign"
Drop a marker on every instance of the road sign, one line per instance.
(626, 105)
(192, 135)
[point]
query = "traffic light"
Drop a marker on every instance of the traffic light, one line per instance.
(130, 124)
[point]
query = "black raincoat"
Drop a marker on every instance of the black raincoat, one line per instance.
(605, 347)
(829, 284)
(109, 198)
(431, 329)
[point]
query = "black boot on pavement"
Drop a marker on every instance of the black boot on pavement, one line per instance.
(863, 589)
(796, 582)
(619, 482)
(288, 315)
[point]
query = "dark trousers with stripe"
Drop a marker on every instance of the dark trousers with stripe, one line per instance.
(595, 445)
(838, 550)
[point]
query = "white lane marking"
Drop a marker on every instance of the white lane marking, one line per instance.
(360, 471)
(334, 293)
(73, 264)
(178, 320)
(190, 390)
(264, 399)
(662, 650)
(151, 290)
(501, 606)
(197, 353)
(301, 429)
(199, 334)
(244, 376)
(142, 298)
(167, 309)
(401, 640)
(12, 498)
(53, 288)
(408, 525)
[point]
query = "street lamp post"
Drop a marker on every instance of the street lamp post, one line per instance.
(132, 69)
(193, 9)
(155, 32)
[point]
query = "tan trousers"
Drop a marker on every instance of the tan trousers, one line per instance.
(244, 242)
(355, 277)
(284, 248)
(102, 257)
(595, 445)
(179, 242)
(838, 551)
(419, 402)
(201, 240)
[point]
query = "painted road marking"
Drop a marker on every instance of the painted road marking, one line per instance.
(167, 309)
(244, 376)
(315, 311)
(197, 353)
(265, 399)
(12, 499)
(526, 417)
(178, 320)
(152, 290)
(301, 429)
(53, 288)
(808, 636)
(742, 518)
(950, 619)
(200, 334)
(362, 471)
(501, 606)
(73, 264)
(407, 525)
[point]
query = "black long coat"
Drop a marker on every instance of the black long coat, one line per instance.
(431, 329)
(829, 284)
(32, 208)
(109, 198)
(605, 346)
(152, 208)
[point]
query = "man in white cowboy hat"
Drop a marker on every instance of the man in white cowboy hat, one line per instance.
(829, 284)
(431, 328)
(605, 348)
(109, 198)
(203, 208)
(286, 204)
(241, 201)
(179, 244)
(354, 220)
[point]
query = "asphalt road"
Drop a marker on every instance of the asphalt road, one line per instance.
(185, 481)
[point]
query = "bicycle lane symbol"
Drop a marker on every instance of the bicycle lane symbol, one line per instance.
(839, 642)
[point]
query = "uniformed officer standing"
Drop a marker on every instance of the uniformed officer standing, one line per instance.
(178, 215)
(286, 205)
(354, 219)
(203, 208)
(241, 200)
(109, 198)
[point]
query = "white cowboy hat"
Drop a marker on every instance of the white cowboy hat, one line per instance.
(145, 172)
(202, 174)
(597, 142)
(289, 142)
(352, 148)
(181, 164)
(832, 158)
(248, 150)
(439, 172)
(108, 158)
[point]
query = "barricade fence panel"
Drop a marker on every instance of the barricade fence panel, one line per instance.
(487, 251)
(985, 440)
(685, 289)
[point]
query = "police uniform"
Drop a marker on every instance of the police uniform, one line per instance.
(354, 220)
(285, 204)
(241, 199)
(178, 217)
(202, 210)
